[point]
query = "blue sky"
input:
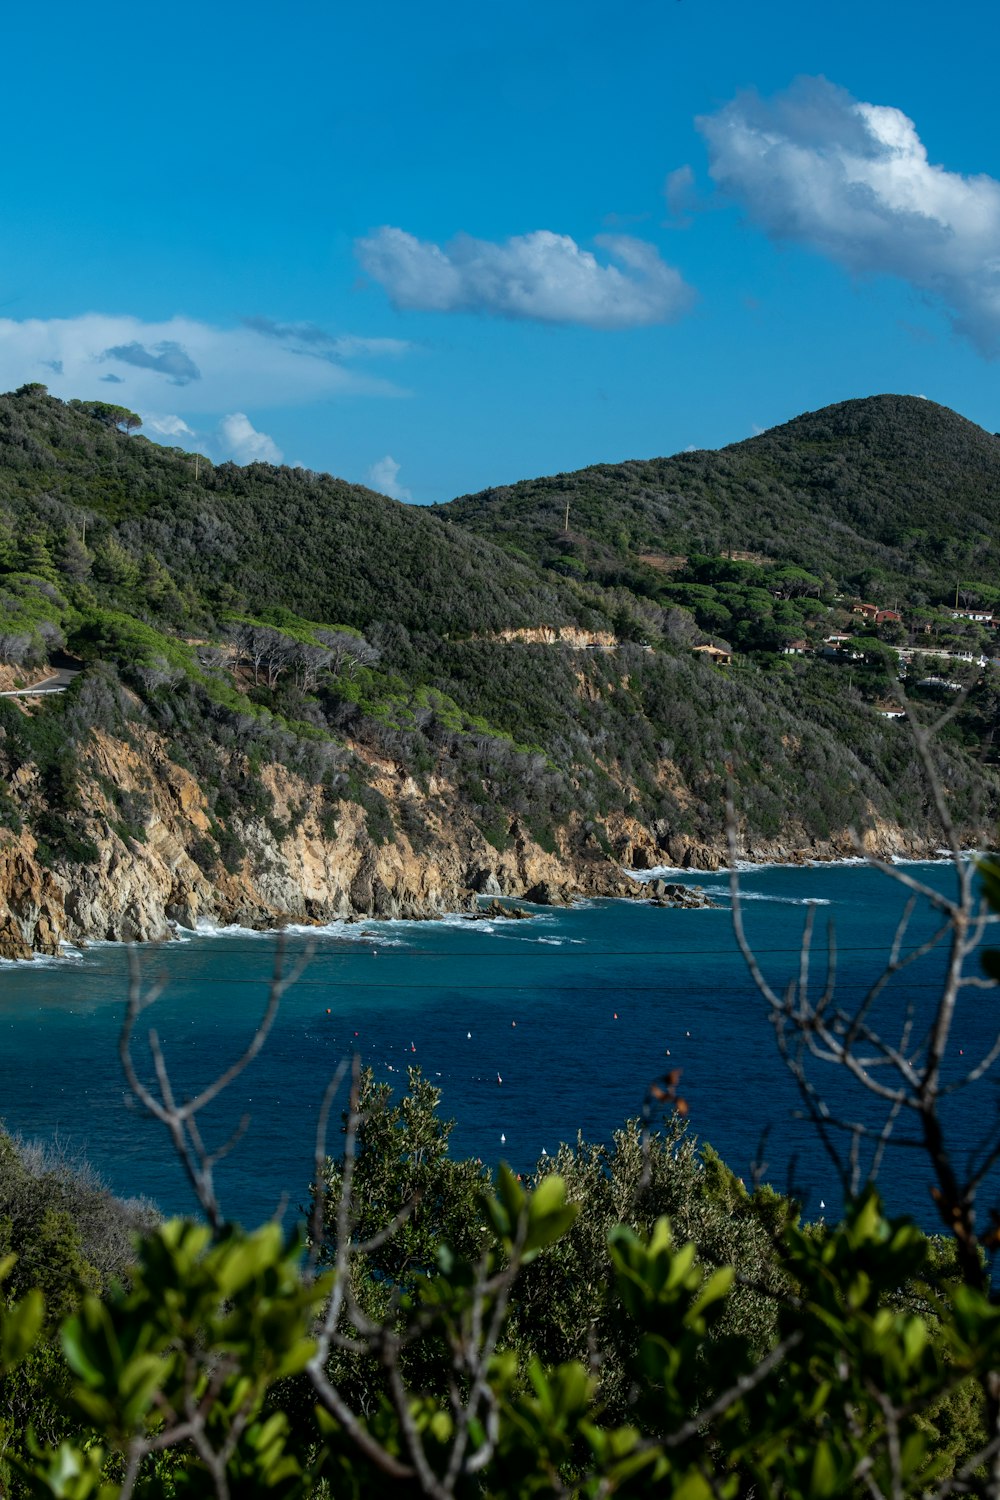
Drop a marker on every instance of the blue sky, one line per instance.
(443, 247)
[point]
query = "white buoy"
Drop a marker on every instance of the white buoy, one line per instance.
(821, 1203)
(503, 1139)
(469, 1035)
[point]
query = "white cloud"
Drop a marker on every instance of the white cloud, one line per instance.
(853, 180)
(240, 440)
(233, 438)
(382, 476)
(542, 276)
(164, 424)
(220, 369)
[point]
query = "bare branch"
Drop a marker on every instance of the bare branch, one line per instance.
(180, 1119)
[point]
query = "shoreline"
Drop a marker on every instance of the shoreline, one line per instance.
(359, 927)
(748, 866)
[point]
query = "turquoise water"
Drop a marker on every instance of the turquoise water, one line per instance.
(575, 1011)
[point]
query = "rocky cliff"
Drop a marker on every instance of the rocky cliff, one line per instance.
(163, 873)
(149, 879)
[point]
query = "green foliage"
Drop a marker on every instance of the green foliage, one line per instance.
(223, 1328)
(34, 617)
(403, 1159)
(887, 492)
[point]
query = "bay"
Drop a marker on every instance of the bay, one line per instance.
(533, 1030)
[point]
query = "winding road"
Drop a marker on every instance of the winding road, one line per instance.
(57, 682)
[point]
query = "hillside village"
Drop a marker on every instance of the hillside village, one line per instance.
(929, 647)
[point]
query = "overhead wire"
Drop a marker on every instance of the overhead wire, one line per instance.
(570, 989)
(362, 947)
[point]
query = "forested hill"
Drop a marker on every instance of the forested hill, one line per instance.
(251, 537)
(294, 696)
(889, 489)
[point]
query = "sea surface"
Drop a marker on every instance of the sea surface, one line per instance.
(533, 1030)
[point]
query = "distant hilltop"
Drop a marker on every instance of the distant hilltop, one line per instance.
(891, 493)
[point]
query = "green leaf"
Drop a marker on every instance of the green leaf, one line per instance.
(20, 1328)
(824, 1476)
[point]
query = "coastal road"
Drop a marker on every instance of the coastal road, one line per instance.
(57, 682)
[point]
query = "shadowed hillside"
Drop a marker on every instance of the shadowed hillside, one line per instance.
(890, 491)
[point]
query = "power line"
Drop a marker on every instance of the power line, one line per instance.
(362, 948)
(528, 986)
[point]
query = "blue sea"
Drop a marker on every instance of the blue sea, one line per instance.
(534, 1031)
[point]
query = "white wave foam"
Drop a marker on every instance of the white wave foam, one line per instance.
(206, 927)
(357, 932)
(751, 866)
(777, 900)
(42, 961)
(347, 932)
(944, 857)
(723, 893)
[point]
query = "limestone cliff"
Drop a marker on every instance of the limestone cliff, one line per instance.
(163, 870)
(151, 877)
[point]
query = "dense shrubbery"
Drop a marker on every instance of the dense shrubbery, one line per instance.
(890, 492)
(599, 1349)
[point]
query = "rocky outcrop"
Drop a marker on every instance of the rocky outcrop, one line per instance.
(669, 893)
(640, 848)
(31, 912)
(157, 864)
(559, 635)
(161, 870)
(495, 911)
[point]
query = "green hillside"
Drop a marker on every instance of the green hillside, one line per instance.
(261, 614)
(247, 538)
(891, 492)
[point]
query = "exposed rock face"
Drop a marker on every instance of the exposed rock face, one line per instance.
(31, 914)
(561, 635)
(641, 848)
(146, 880)
(160, 870)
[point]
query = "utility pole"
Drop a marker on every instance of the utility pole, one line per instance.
(197, 461)
(566, 520)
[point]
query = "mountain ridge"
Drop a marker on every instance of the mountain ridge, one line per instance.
(780, 477)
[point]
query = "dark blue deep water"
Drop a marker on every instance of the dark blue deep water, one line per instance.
(575, 1011)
